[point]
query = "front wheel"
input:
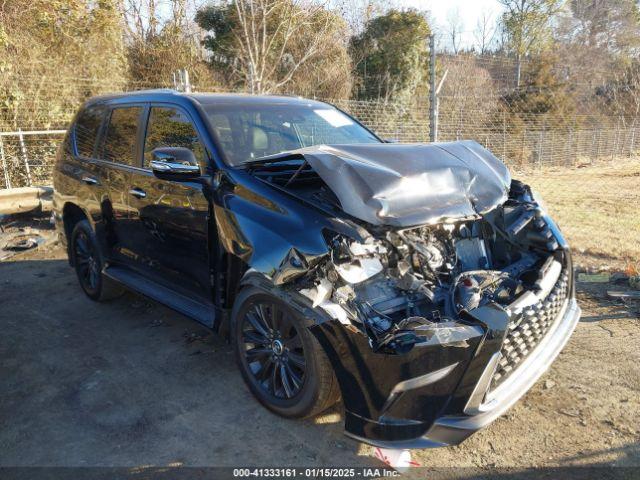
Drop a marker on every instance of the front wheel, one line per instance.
(281, 362)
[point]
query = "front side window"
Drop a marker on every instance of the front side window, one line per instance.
(122, 132)
(247, 132)
(169, 127)
(86, 129)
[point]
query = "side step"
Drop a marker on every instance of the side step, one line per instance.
(199, 311)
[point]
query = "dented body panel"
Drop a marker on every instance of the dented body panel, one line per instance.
(270, 231)
(409, 346)
(411, 184)
(437, 286)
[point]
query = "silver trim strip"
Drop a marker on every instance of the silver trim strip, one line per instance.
(452, 430)
(474, 403)
(417, 382)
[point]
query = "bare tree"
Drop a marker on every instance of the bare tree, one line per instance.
(141, 18)
(527, 26)
(357, 13)
(485, 31)
(268, 29)
(455, 27)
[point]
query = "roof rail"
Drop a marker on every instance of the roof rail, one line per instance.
(155, 90)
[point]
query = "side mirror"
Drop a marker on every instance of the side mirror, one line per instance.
(174, 163)
(390, 140)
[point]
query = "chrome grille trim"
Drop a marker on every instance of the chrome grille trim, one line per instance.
(534, 323)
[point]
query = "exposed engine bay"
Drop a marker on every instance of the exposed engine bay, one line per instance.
(407, 286)
(447, 232)
(436, 285)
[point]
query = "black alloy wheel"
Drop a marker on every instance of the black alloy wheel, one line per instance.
(281, 361)
(273, 350)
(87, 262)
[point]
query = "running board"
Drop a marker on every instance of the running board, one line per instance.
(199, 311)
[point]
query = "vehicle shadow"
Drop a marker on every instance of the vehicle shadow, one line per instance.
(130, 382)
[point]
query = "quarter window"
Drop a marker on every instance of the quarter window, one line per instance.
(120, 139)
(169, 127)
(86, 129)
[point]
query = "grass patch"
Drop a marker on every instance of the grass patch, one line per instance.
(597, 207)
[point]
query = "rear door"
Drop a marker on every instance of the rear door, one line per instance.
(91, 178)
(171, 218)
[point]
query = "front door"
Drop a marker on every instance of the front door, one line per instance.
(171, 218)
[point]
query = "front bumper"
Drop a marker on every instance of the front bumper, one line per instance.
(438, 395)
(452, 429)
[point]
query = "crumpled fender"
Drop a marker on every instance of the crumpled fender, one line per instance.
(272, 232)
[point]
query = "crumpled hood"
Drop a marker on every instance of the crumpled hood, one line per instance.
(411, 184)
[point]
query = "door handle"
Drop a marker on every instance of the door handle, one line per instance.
(90, 180)
(138, 193)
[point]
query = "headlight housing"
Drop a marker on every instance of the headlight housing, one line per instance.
(541, 203)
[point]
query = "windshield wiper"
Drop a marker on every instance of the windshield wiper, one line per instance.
(275, 158)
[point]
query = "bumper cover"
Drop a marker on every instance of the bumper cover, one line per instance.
(453, 429)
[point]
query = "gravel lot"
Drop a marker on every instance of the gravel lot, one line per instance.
(131, 383)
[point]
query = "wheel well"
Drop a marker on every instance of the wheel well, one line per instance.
(234, 269)
(71, 215)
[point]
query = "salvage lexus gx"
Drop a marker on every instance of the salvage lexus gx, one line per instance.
(418, 282)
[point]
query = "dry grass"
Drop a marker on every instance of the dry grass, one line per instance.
(597, 207)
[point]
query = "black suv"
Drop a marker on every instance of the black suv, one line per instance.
(418, 281)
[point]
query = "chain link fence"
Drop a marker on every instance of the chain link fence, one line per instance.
(578, 149)
(475, 103)
(26, 156)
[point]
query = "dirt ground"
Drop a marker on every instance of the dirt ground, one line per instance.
(131, 383)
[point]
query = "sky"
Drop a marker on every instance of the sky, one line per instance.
(468, 10)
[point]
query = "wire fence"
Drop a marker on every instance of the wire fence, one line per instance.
(545, 122)
(27, 155)
(584, 162)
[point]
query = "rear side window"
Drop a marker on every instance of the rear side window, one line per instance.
(169, 127)
(86, 129)
(121, 135)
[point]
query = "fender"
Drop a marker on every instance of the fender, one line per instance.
(272, 232)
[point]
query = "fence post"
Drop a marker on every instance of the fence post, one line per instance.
(540, 148)
(504, 136)
(23, 150)
(616, 141)
(7, 180)
(524, 139)
(433, 134)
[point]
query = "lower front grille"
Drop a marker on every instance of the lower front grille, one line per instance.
(523, 337)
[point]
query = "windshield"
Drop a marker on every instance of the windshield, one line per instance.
(248, 132)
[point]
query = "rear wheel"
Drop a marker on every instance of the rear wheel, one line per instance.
(88, 264)
(281, 362)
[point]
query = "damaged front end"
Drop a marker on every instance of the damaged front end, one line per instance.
(429, 328)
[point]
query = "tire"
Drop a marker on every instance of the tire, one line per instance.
(269, 351)
(88, 263)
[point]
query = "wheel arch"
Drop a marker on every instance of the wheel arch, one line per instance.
(72, 214)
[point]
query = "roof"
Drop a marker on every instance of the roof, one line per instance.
(212, 98)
